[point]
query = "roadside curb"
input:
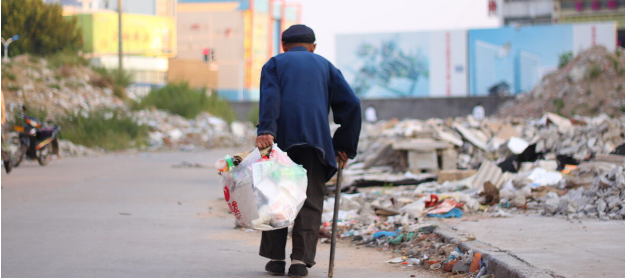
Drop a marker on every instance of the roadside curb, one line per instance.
(501, 263)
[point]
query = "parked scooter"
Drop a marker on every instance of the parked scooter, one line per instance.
(36, 141)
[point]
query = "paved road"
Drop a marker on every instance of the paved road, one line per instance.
(136, 216)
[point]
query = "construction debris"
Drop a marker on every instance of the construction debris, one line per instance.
(204, 132)
(497, 164)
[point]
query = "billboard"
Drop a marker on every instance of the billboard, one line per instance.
(404, 65)
(514, 59)
(145, 35)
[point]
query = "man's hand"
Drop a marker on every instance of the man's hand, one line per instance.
(264, 141)
(341, 158)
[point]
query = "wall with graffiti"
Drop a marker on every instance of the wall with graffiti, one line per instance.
(400, 65)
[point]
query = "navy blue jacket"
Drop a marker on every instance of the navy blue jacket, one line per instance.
(297, 90)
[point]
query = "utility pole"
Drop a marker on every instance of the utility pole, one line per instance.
(120, 52)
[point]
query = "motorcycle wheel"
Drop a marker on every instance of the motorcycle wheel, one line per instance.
(43, 156)
(19, 155)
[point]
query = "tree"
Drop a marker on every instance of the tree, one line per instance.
(42, 28)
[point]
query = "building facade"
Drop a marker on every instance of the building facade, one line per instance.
(239, 37)
(527, 12)
(148, 37)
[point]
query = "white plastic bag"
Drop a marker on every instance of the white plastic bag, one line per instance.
(265, 193)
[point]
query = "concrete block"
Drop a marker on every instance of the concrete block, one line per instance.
(454, 175)
(422, 160)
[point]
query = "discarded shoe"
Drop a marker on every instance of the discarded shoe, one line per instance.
(276, 267)
(298, 270)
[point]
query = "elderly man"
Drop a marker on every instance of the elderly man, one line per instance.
(297, 90)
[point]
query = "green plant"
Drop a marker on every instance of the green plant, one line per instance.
(118, 80)
(623, 109)
(42, 28)
(252, 116)
(11, 76)
(594, 71)
(107, 129)
(559, 104)
(179, 98)
(615, 63)
(66, 58)
(564, 59)
(54, 86)
(13, 87)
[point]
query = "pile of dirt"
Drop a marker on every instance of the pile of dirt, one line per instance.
(33, 81)
(590, 84)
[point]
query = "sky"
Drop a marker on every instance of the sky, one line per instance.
(331, 17)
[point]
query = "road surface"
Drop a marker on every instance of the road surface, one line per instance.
(134, 215)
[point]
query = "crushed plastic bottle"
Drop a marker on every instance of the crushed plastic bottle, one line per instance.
(224, 164)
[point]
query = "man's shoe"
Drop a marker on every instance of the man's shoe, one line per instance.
(275, 267)
(298, 270)
(8, 166)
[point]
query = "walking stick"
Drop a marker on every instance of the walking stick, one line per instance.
(337, 199)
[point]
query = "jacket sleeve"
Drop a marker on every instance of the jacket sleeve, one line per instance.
(269, 104)
(346, 110)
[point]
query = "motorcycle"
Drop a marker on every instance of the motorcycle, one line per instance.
(36, 141)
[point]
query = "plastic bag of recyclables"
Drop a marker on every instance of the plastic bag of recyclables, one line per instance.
(265, 193)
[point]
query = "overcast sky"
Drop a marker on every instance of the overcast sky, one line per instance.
(331, 17)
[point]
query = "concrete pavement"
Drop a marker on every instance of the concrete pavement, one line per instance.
(136, 216)
(569, 248)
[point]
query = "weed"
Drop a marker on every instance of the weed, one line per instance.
(615, 63)
(54, 86)
(66, 58)
(13, 87)
(187, 102)
(252, 116)
(119, 80)
(11, 76)
(559, 104)
(564, 59)
(107, 129)
(33, 59)
(594, 72)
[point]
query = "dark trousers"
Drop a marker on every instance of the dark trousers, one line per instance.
(306, 229)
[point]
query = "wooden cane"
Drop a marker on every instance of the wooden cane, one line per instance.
(337, 202)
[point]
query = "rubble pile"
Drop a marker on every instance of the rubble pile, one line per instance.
(205, 131)
(605, 199)
(559, 165)
(28, 79)
(590, 84)
(67, 148)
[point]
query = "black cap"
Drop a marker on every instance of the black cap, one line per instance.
(298, 33)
